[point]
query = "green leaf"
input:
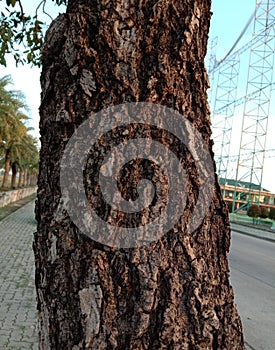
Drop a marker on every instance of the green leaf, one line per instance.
(11, 2)
(21, 33)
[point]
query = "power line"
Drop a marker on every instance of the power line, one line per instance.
(234, 158)
(248, 45)
(239, 37)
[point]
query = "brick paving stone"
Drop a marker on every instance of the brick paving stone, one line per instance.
(18, 316)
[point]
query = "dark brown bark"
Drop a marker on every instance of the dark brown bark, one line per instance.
(13, 174)
(5, 183)
(175, 292)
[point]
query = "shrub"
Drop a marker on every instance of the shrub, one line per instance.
(264, 213)
(272, 214)
(254, 211)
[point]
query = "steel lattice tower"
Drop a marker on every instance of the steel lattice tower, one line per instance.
(257, 102)
(224, 108)
(211, 64)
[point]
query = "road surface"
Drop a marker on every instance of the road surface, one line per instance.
(252, 266)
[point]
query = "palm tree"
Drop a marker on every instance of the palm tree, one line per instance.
(12, 127)
(23, 156)
(5, 99)
(11, 147)
(28, 161)
(11, 103)
(21, 152)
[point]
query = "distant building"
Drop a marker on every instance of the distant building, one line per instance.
(245, 195)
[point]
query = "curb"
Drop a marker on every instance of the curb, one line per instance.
(12, 207)
(255, 236)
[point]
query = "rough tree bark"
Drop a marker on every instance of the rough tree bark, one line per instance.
(175, 292)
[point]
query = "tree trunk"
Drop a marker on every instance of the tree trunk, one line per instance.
(174, 292)
(25, 177)
(5, 183)
(20, 180)
(28, 178)
(13, 175)
(33, 180)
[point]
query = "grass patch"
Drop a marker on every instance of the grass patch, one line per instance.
(245, 219)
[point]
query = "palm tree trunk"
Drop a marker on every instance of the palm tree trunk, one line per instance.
(20, 180)
(25, 177)
(5, 183)
(13, 175)
(29, 178)
(34, 179)
(173, 293)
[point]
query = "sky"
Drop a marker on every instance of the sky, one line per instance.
(228, 20)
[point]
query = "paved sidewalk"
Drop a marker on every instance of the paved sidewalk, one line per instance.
(17, 294)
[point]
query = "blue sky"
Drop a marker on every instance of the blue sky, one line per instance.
(228, 20)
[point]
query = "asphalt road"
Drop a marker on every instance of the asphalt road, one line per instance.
(252, 267)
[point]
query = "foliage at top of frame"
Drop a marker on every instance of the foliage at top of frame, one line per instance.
(21, 34)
